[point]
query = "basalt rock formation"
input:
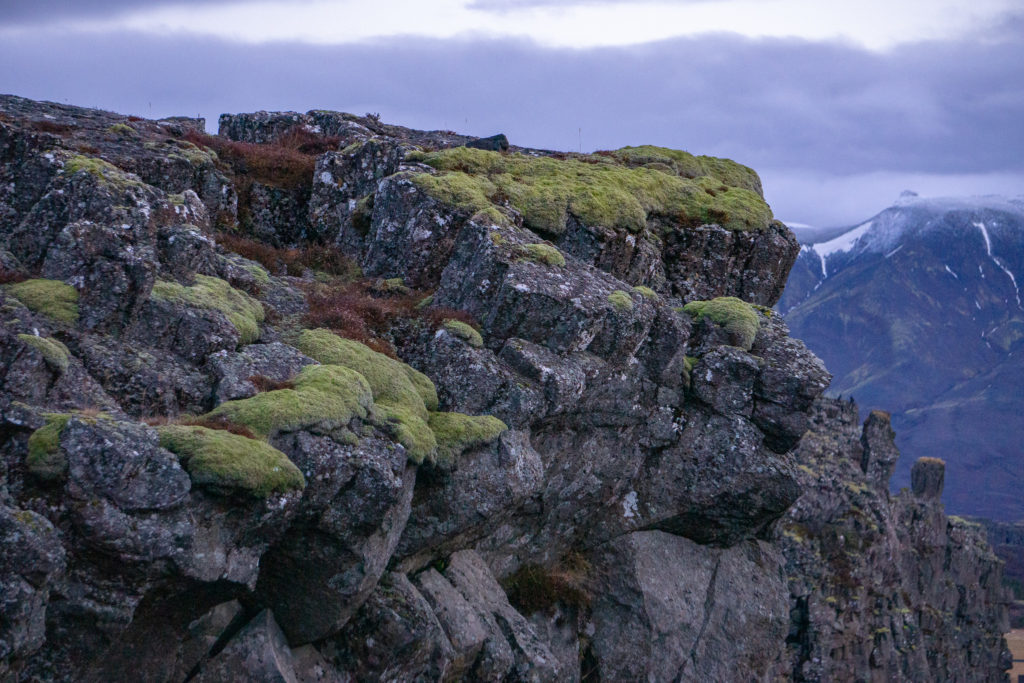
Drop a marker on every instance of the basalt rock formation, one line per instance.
(323, 399)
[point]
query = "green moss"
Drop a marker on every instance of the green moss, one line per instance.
(53, 352)
(621, 301)
(325, 396)
(492, 216)
(608, 192)
(393, 285)
(52, 298)
(735, 315)
(689, 362)
(104, 171)
(687, 165)
(45, 459)
(259, 273)
(646, 292)
(402, 396)
(218, 458)
(212, 293)
(123, 130)
(424, 302)
(404, 400)
(541, 253)
(391, 381)
(456, 433)
(496, 238)
(464, 332)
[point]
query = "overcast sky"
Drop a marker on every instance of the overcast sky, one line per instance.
(838, 105)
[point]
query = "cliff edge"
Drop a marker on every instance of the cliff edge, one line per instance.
(323, 399)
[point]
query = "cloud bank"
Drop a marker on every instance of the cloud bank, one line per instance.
(795, 110)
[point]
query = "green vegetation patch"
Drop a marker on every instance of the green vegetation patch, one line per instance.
(541, 253)
(464, 332)
(45, 459)
(404, 400)
(218, 458)
(392, 381)
(324, 396)
(737, 317)
(123, 130)
(609, 191)
(52, 298)
(646, 292)
(687, 165)
(621, 301)
(456, 433)
(402, 396)
(214, 294)
(104, 171)
(54, 353)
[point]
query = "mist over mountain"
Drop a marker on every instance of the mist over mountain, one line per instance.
(918, 311)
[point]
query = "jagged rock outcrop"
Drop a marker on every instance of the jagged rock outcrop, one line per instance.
(884, 587)
(549, 431)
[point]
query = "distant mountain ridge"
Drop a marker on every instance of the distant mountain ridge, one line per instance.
(919, 311)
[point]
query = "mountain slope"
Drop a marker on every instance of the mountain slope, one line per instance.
(919, 311)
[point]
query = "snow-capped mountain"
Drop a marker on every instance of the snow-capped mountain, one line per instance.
(919, 311)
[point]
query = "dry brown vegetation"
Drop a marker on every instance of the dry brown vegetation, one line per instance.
(294, 261)
(534, 588)
(359, 311)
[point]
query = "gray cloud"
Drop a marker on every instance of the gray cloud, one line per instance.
(21, 12)
(511, 5)
(793, 108)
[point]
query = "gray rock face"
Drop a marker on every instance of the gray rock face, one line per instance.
(31, 555)
(668, 609)
(656, 509)
(258, 653)
(349, 524)
(927, 477)
(344, 178)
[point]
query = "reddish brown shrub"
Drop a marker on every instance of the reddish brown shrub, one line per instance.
(534, 588)
(216, 423)
(325, 258)
(264, 383)
(271, 164)
(9, 276)
(51, 127)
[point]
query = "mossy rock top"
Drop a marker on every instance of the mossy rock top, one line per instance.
(738, 317)
(223, 460)
(53, 352)
(464, 332)
(404, 400)
(45, 459)
(212, 293)
(52, 298)
(392, 381)
(324, 396)
(612, 190)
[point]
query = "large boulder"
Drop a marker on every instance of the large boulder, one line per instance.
(667, 609)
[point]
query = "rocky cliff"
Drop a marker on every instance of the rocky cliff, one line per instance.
(323, 399)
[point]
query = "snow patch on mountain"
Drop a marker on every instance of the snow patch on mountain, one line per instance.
(996, 260)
